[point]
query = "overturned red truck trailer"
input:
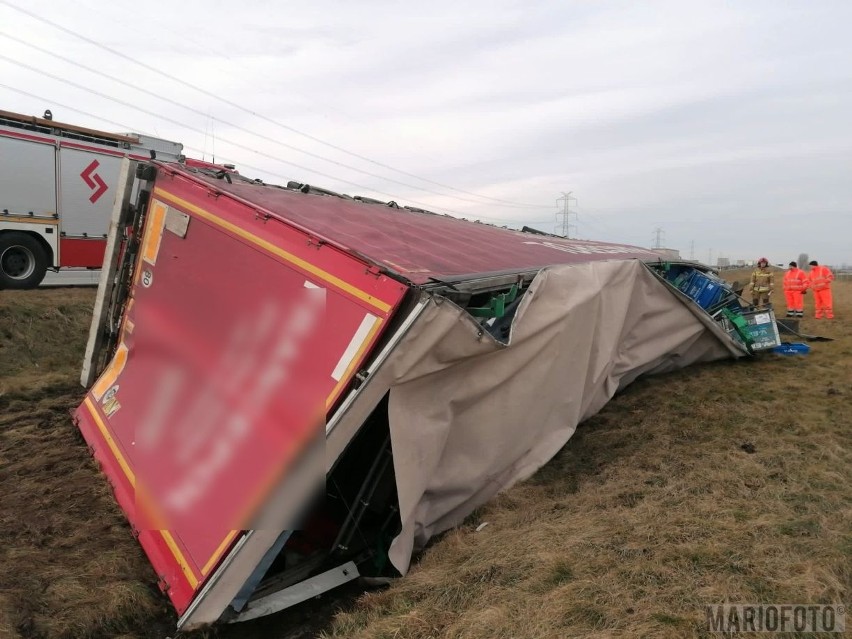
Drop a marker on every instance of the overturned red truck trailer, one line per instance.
(291, 388)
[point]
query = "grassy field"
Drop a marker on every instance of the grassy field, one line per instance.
(70, 567)
(725, 482)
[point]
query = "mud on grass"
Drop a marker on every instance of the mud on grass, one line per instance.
(723, 482)
(71, 567)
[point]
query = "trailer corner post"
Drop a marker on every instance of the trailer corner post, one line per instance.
(120, 211)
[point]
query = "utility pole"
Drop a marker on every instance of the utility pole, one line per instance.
(564, 225)
(659, 234)
(710, 257)
(692, 250)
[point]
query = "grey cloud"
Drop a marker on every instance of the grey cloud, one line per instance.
(725, 124)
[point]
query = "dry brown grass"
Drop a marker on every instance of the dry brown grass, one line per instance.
(653, 510)
(42, 336)
(70, 567)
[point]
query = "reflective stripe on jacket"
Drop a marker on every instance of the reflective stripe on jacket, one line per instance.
(761, 281)
(821, 277)
(796, 280)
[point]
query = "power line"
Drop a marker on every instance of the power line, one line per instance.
(200, 131)
(125, 127)
(210, 117)
(249, 111)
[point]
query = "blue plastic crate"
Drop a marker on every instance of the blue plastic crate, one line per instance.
(705, 289)
(696, 285)
(686, 282)
(711, 294)
(792, 349)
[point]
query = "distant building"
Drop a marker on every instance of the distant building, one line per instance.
(723, 262)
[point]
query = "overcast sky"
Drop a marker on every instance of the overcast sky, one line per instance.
(727, 125)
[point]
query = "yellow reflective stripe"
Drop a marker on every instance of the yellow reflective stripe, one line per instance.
(275, 250)
(110, 375)
(154, 232)
(116, 452)
(218, 552)
(125, 467)
(178, 555)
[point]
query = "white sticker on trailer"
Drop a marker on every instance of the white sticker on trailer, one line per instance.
(361, 334)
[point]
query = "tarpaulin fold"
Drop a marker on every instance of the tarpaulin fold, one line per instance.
(470, 416)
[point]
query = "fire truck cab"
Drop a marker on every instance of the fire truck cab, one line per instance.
(57, 189)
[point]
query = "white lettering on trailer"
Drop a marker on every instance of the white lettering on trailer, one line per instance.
(268, 354)
(242, 353)
(351, 351)
(168, 389)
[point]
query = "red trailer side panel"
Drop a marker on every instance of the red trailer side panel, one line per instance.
(240, 333)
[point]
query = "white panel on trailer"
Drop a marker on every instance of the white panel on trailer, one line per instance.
(88, 190)
(27, 177)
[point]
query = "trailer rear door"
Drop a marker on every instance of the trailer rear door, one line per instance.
(241, 332)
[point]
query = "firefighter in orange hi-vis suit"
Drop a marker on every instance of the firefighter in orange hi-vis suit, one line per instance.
(796, 282)
(761, 284)
(821, 278)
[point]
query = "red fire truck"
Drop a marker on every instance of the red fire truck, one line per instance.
(57, 187)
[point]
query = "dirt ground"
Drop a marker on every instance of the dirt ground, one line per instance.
(726, 482)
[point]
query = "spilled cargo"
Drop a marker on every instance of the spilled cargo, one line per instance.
(290, 389)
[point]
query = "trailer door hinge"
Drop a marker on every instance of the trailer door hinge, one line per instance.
(315, 241)
(374, 270)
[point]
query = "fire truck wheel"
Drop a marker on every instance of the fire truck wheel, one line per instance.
(23, 261)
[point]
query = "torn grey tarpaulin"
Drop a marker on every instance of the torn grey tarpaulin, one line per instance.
(470, 416)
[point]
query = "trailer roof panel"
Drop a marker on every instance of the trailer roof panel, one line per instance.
(419, 246)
